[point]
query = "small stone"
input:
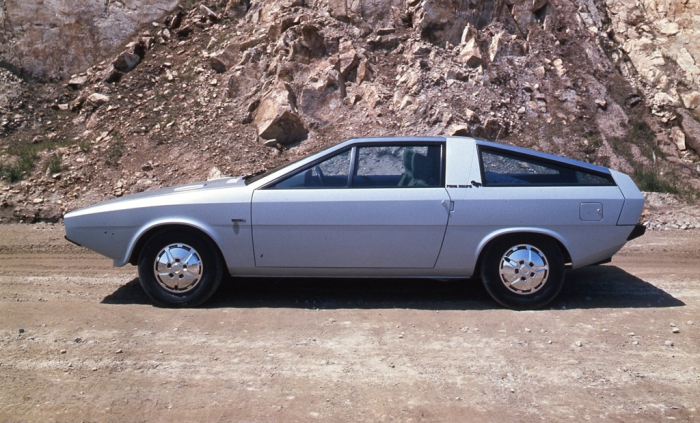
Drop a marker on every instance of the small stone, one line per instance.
(94, 369)
(579, 344)
(630, 334)
(601, 103)
(528, 330)
(213, 82)
(675, 330)
(401, 335)
(521, 110)
(77, 81)
(668, 343)
(98, 99)
(673, 325)
(63, 351)
(690, 322)
(119, 351)
(38, 200)
(635, 342)
(21, 331)
(549, 342)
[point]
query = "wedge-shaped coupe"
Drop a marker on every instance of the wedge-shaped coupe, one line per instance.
(426, 207)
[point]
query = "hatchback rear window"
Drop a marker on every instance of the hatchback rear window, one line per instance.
(504, 168)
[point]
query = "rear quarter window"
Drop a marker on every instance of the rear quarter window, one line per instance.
(504, 168)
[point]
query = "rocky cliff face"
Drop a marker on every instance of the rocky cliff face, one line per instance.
(52, 39)
(241, 86)
(659, 53)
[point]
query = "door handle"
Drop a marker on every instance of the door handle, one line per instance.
(452, 204)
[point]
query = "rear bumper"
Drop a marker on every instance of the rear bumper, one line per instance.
(638, 231)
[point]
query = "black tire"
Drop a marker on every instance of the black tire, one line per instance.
(194, 264)
(534, 276)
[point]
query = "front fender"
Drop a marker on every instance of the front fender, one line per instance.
(144, 232)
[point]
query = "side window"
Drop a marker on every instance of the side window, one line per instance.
(501, 168)
(331, 173)
(398, 166)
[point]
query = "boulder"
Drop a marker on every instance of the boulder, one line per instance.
(678, 138)
(338, 8)
(348, 59)
(691, 100)
(321, 95)
(470, 54)
(364, 71)
(130, 58)
(276, 117)
(691, 128)
(440, 22)
(126, 61)
(458, 130)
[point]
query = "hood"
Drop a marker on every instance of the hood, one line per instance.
(162, 195)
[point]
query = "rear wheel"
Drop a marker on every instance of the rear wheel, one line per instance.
(179, 269)
(523, 272)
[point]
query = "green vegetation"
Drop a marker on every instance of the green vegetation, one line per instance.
(84, 146)
(54, 163)
(640, 134)
(652, 181)
(114, 152)
(26, 156)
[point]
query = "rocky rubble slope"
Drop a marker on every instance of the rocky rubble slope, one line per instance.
(238, 87)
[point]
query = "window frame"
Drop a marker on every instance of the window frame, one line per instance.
(545, 161)
(354, 162)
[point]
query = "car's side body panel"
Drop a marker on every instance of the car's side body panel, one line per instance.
(349, 228)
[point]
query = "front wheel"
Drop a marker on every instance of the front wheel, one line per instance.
(179, 269)
(523, 272)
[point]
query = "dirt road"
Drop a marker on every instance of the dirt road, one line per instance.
(79, 341)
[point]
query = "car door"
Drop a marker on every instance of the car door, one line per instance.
(362, 208)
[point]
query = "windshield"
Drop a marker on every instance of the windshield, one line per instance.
(255, 177)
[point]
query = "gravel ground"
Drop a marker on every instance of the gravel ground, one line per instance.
(79, 341)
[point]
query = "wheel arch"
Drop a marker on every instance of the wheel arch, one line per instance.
(154, 230)
(494, 237)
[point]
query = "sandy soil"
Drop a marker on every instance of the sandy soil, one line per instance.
(79, 341)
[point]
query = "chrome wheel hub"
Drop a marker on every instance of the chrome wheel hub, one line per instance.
(178, 268)
(524, 269)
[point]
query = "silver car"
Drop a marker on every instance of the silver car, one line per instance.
(414, 207)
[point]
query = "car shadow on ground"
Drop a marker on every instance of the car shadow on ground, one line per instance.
(591, 287)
